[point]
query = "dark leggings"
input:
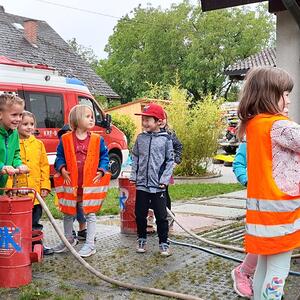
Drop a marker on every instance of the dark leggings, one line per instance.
(158, 204)
(37, 212)
(168, 198)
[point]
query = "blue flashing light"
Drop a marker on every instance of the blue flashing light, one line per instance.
(74, 81)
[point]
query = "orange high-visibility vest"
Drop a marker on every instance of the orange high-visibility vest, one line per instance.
(273, 217)
(93, 193)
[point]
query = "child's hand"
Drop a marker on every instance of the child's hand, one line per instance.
(162, 186)
(65, 174)
(98, 176)
(23, 169)
(9, 170)
(44, 193)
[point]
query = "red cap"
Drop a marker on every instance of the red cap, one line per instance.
(153, 110)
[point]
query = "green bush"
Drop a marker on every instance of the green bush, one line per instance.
(198, 126)
(126, 124)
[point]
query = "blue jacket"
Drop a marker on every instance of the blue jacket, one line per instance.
(240, 164)
(60, 160)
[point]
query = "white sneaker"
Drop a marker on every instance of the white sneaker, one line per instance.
(61, 247)
(164, 249)
(87, 250)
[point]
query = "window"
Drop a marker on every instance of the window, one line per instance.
(90, 103)
(47, 108)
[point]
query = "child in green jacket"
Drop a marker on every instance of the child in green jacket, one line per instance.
(11, 109)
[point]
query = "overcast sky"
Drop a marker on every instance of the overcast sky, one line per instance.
(89, 29)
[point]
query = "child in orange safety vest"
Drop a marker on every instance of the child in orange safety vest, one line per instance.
(82, 178)
(273, 204)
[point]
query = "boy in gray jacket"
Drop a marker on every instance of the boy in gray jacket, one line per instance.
(151, 171)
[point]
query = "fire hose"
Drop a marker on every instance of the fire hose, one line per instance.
(104, 277)
(215, 244)
(209, 242)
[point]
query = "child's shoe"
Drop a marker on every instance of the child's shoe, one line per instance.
(87, 250)
(242, 283)
(74, 235)
(81, 234)
(61, 247)
(164, 249)
(141, 245)
(47, 251)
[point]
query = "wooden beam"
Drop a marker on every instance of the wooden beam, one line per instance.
(216, 4)
(277, 5)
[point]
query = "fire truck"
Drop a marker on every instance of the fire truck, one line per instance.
(50, 97)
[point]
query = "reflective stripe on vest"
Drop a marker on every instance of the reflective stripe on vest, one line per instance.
(273, 205)
(273, 230)
(64, 189)
(95, 189)
(68, 203)
(95, 202)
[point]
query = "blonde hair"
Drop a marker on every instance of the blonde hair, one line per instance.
(261, 92)
(27, 113)
(7, 100)
(77, 113)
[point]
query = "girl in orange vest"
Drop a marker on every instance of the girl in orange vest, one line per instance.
(81, 163)
(273, 204)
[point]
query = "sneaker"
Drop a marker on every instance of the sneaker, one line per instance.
(74, 234)
(48, 251)
(87, 250)
(164, 249)
(61, 247)
(81, 234)
(242, 283)
(141, 245)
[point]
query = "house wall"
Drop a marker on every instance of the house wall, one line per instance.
(288, 56)
(131, 110)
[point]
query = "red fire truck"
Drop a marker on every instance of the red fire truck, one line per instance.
(50, 97)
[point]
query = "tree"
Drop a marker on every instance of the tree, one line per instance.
(85, 53)
(198, 131)
(153, 45)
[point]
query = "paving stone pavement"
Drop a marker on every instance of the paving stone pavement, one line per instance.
(187, 271)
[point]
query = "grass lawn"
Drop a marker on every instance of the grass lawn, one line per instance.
(178, 192)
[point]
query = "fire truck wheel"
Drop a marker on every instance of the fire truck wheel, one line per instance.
(114, 165)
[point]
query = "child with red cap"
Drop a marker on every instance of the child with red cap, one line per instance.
(152, 169)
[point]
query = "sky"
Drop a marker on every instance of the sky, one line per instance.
(90, 30)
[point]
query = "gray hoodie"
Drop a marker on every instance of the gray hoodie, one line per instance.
(153, 160)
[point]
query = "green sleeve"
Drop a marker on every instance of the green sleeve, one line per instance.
(17, 158)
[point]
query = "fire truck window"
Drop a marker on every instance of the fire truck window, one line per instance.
(89, 102)
(47, 109)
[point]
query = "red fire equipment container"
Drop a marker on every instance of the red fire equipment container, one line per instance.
(127, 204)
(16, 253)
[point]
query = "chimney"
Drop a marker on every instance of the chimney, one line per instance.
(2, 10)
(30, 31)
